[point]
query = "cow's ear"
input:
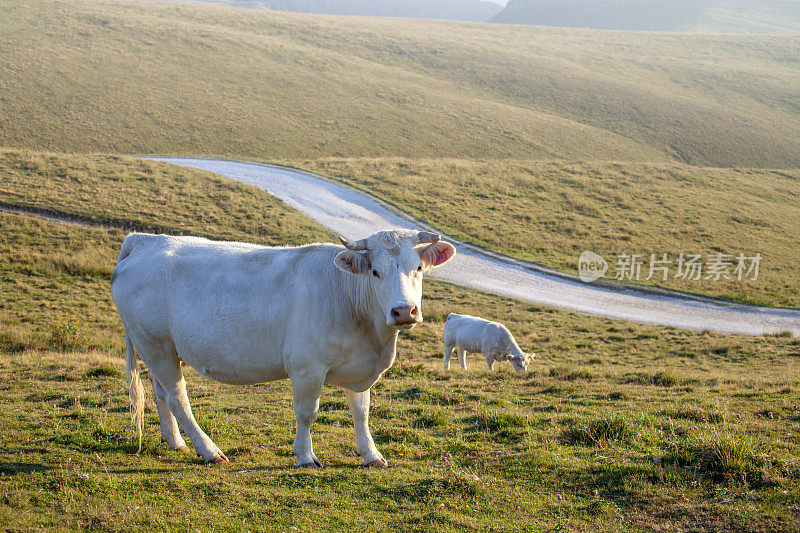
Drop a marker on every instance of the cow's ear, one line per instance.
(352, 262)
(437, 254)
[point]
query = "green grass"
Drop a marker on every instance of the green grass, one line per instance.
(141, 77)
(468, 450)
(549, 212)
(608, 429)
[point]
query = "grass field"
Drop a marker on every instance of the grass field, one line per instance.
(141, 77)
(549, 212)
(618, 426)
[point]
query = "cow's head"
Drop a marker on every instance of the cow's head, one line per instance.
(394, 262)
(521, 362)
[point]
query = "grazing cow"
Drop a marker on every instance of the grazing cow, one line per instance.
(240, 313)
(472, 334)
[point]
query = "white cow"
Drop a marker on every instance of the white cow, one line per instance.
(241, 313)
(472, 334)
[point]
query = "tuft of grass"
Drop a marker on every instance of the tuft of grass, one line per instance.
(431, 418)
(664, 379)
(569, 374)
(106, 370)
(618, 395)
(696, 413)
(724, 457)
(463, 482)
(616, 428)
(504, 426)
(661, 378)
(67, 333)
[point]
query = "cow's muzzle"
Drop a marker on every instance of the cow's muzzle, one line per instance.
(404, 316)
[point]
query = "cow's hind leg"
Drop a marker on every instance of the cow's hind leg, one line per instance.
(359, 410)
(448, 353)
(162, 362)
(462, 357)
(170, 433)
(306, 389)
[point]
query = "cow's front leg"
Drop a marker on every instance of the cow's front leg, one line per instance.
(490, 360)
(359, 410)
(306, 389)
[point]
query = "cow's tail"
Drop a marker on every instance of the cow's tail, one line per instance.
(135, 389)
(125, 250)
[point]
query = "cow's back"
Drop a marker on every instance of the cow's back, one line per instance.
(227, 307)
(160, 274)
(465, 331)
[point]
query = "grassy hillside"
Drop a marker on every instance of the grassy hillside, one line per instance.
(549, 212)
(618, 426)
(140, 77)
(148, 196)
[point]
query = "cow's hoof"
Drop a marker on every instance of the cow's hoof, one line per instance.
(377, 463)
(312, 464)
(217, 459)
(184, 449)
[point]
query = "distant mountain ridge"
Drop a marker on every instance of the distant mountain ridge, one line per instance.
(716, 16)
(466, 10)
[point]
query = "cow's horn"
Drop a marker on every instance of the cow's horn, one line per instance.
(427, 236)
(354, 245)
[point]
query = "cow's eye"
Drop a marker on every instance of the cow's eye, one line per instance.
(375, 273)
(419, 268)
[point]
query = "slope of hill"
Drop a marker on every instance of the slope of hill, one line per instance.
(137, 77)
(471, 10)
(723, 16)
